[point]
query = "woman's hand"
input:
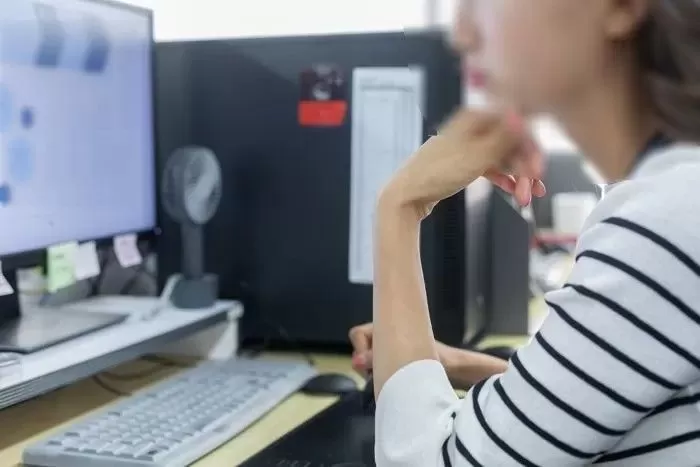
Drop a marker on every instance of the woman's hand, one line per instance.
(464, 368)
(471, 145)
(361, 340)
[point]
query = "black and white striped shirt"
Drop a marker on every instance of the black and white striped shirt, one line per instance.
(613, 376)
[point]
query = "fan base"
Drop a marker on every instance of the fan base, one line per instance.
(190, 294)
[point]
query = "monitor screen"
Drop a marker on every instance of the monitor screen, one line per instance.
(76, 126)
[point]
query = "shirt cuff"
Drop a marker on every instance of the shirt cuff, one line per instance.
(413, 414)
(420, 383)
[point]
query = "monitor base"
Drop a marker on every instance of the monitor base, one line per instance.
(41, 329)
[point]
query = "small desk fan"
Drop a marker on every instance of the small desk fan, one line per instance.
(190, 194)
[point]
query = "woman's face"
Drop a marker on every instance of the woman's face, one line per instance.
(534, 55)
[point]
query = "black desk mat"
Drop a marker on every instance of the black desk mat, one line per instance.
(340, 436)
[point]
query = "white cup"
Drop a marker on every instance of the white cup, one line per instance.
(570, 211)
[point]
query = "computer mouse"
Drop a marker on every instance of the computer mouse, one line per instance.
(503, 352)
(330, 384)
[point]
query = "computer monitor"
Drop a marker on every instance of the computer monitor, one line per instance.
(77, 155)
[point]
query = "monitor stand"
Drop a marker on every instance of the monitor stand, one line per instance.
(43, 328)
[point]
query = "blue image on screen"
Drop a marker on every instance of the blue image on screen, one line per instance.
(5, 108)
(27, 117)
(20, 162)
(5, 195)
(52, 36)
(98, 47)
(79, 121)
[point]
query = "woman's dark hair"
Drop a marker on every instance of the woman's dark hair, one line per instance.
(670, 58)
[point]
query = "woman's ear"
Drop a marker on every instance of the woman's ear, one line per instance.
(625, 17)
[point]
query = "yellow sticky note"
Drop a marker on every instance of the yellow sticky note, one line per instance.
(60, 266)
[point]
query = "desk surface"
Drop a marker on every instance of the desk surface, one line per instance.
(37, 418)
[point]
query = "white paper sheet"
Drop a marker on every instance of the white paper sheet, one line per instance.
(87, 263)
(127, 251)
(387, 127)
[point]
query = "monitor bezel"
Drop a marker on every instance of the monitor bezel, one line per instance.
(37, 257)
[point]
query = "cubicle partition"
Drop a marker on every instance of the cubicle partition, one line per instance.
(305, 128)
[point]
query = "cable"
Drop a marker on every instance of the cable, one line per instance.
(480, 335)
(96, 283)
(139, 272)
(295, 343)
(160, 363)
(281, 332)
(165, 361)
(134, 375)
(257, 350)
(109, 388)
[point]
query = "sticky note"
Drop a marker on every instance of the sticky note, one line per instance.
(60, 266)
(87, 263)
(127, 251)
(5, 286)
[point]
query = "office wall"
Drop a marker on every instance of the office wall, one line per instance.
(199, 19)
(207, 19)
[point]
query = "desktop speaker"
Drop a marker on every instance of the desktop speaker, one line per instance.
(190, 194)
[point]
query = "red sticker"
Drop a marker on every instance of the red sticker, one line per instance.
(323, 101)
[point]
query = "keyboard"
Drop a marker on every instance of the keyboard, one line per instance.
(177, 421)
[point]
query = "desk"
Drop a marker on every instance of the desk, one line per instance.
(91, 353)
(35, 419)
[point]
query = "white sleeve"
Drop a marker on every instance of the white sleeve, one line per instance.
(620, 340)
(407, 433)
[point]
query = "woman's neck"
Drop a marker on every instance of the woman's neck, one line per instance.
(611, 125)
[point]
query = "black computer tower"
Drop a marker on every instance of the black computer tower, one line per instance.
(280, 239)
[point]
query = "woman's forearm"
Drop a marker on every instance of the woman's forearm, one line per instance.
(466, 368)
(402, 328)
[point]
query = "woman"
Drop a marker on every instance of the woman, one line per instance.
(613, 376)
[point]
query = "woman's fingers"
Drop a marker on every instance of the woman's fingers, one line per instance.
(508, 183)
(524, 181)
(525, 162)
(523, 191)
(533, 160)
(528, 166)
(539, 190)
(503, 181)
